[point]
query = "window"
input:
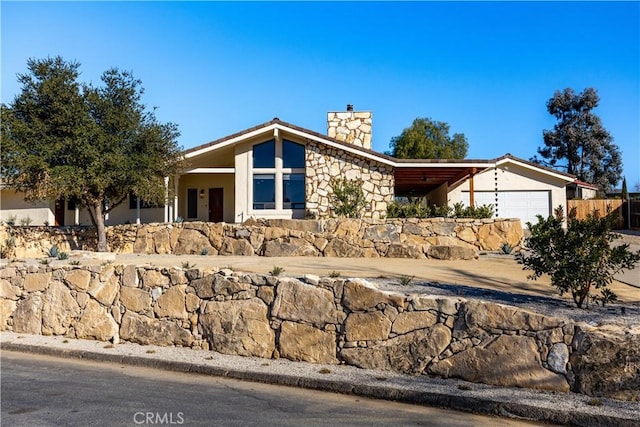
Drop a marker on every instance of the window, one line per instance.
(293, 191)
(133, 202)
(72, 203)
(264, 155)
(264, 191)
(292, 155)
(192, 203)
(278, 169)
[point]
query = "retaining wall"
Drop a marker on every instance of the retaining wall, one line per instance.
(400, 238)
(320, 320)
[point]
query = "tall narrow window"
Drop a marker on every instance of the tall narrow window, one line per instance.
(192, 203)
(293, 155)
(264, 155)
(264, 191)
(293, 191)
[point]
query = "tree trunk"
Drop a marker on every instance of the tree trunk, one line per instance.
(97, 217)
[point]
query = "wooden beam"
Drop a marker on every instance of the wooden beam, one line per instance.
(472, 201)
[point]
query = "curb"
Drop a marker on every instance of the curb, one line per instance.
(473, 404)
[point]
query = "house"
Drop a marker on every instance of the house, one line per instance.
(581, 190)
(280, 170)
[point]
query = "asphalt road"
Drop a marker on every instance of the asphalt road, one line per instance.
(45, 391)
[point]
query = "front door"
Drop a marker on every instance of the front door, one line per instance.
(59, 213)
(215, 205)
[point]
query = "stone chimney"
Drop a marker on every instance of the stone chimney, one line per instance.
(350, 126)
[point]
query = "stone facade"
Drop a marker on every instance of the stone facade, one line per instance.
(350, 126)
(321, 320)
(398, 238)
(326, 164)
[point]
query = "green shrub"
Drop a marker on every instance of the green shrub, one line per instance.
(6, 249)
(347, 198)
(335, 274)
(606, 296)
(276, 271)
(62, 255)
(405, 280)
(26, 221)
(506, 248)
(204, 251)
(578, 258)
(416, 209)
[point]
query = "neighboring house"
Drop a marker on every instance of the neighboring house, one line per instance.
(279, 170)
(581, 190)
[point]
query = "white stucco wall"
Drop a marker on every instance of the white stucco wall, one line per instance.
(205, 182)
(12, 205)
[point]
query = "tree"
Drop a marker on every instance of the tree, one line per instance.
(625, 192)
(579, 143)
(429, 139)
(65, 139)
(578, 258)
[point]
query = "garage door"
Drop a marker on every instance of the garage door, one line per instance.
(514, 204)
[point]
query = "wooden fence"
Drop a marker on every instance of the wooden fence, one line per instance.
(585, 207)
(634, 212)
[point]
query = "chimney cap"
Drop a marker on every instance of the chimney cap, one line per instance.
(349, 107)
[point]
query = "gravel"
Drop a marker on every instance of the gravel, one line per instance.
(594, 315)
(550, 407)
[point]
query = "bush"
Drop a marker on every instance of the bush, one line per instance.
(418, 210)
(578, 259)
(405, 280)
(276, 271)
(347, 198)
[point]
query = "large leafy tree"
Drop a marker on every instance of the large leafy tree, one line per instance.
(429, 139)
(62, 138)
(579, 143)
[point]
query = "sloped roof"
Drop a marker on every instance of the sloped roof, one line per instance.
(409, 174)
(276, 122)
(531, 165)
(587, 185)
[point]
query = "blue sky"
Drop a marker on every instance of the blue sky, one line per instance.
(215, 68)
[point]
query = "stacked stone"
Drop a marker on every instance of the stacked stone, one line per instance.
(352, 127)
(325, 165)
(398, 238)
(319, 320)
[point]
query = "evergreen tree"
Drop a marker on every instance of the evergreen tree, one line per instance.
(63, 139)
(579, 143)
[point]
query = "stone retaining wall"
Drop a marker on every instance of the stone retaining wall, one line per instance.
(400, 238)
(320, 320)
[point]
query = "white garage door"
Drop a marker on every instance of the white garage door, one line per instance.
(514, 204)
